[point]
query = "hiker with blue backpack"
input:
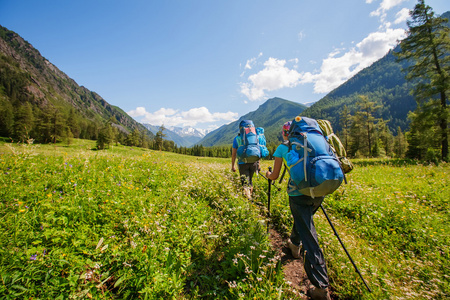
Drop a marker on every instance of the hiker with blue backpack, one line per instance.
(314, 172)
(249, 146)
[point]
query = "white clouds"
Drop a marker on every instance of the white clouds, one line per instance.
(385, 5)
(336, 69)
(339, 66)
(402, 16)
(274, 76)
(301, 35)
(252, 61)
(172, 117)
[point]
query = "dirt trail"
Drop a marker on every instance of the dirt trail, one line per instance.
(292, 268)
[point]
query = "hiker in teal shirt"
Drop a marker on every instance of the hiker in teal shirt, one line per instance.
(303, 235)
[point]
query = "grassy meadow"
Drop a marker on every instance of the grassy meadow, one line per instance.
(131, 223)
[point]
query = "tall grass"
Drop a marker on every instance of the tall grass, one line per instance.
(127, 224)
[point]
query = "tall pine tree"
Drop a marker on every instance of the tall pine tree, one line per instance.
(428, 47)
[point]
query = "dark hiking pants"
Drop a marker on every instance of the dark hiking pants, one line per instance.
(246, 172)
(303, 208)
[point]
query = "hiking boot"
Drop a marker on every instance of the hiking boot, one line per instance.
(316, 293)
(295, 250)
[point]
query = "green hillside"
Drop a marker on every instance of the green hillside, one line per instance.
(36, 95)
(271, 115)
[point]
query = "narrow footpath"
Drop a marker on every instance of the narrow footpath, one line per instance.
(294, 272)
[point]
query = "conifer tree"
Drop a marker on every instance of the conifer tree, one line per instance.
(428, 47)
(363, 129)
(400, 144)
(23, 122)
(159, 138)
(6, 118)
(345, 122)
(105, 136)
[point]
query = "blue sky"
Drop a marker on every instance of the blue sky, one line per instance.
(205, 63)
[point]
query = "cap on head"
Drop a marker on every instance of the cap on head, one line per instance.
(286, 127)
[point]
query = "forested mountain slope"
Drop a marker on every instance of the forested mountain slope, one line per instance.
(34, 93)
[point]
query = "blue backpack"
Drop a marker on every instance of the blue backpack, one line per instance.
(248, 144)
(314, 168)
(262, 142)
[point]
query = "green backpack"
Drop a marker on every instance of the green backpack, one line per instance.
(336, 145)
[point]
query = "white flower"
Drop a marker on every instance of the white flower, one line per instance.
(100, 242)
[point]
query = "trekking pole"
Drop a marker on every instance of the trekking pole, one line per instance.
(282, 175)
(342, 244)
(273, 182)
(268, 200)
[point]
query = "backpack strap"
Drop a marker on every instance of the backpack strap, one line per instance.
(305, 152)
(239, 140)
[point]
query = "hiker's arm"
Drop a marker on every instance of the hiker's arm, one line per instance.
(233, 159)
(276, 169)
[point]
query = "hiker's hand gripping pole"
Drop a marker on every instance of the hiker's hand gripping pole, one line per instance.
(272, 182)
(342, 244)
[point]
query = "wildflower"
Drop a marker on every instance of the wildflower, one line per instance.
(88, 274)
(33, 257)
(100, 242)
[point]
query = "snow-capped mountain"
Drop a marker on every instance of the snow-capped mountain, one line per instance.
(188, 131)
(182, 136)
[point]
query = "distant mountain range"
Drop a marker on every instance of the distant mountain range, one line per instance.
(182, 136)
